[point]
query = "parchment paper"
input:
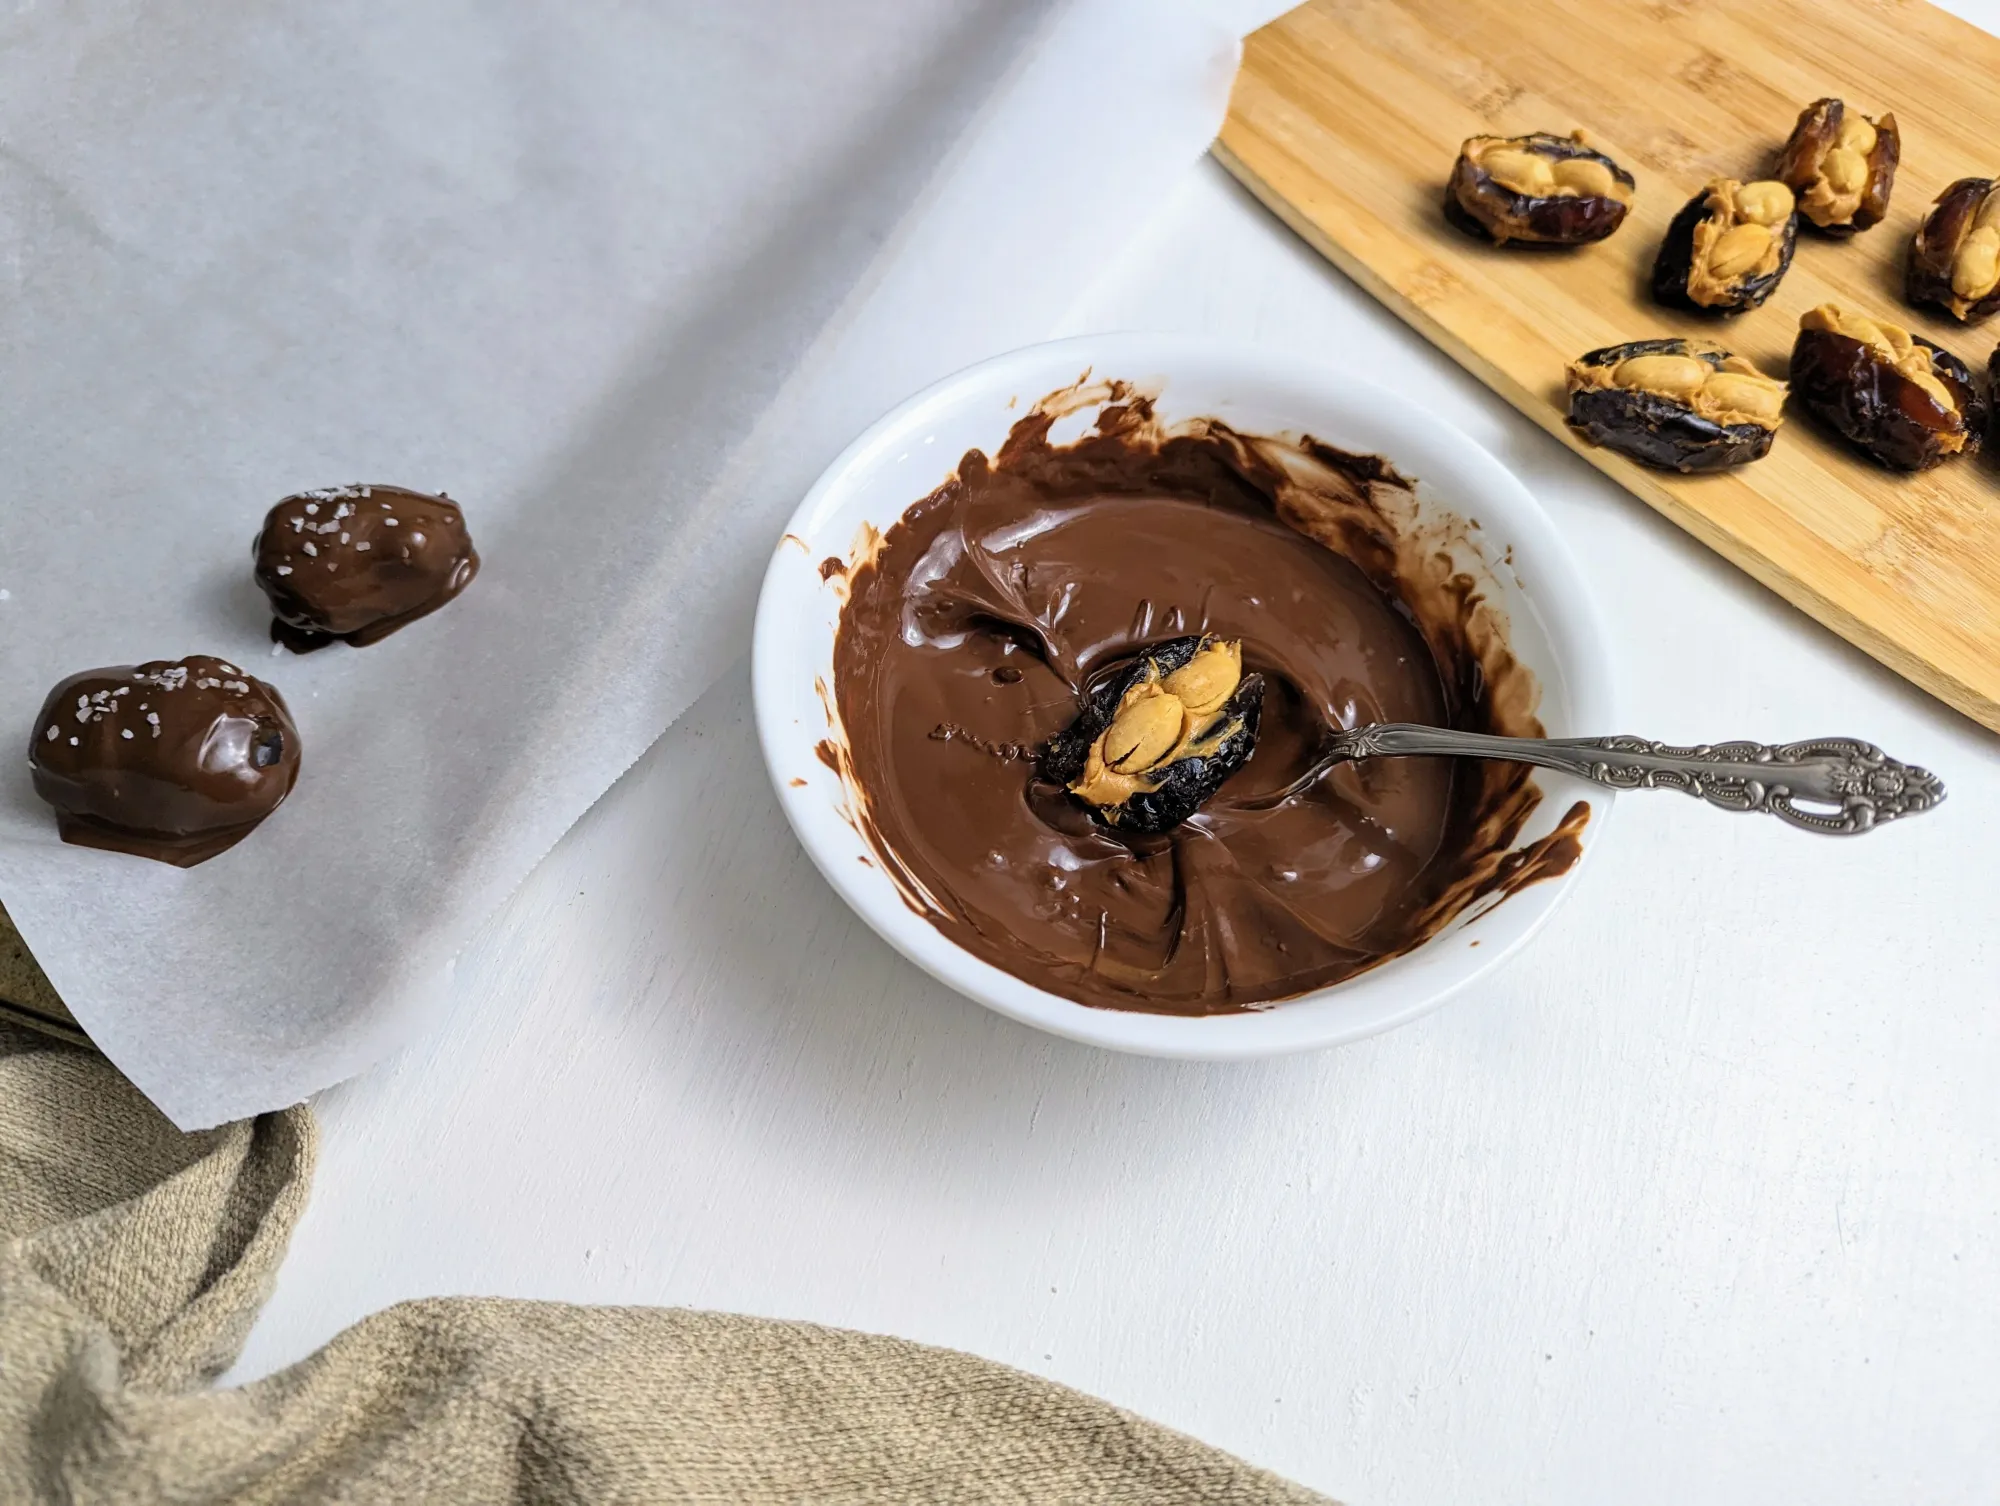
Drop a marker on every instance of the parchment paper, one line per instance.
(620, 277)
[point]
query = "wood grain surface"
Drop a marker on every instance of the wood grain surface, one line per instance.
(1347, 115)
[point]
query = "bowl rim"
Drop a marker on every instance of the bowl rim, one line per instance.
(1566, 608)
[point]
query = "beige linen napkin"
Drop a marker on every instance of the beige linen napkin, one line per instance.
(133, 1259)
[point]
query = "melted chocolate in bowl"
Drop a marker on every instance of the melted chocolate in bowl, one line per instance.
(970, 636)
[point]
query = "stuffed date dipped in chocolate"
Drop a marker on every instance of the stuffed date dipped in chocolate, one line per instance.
(1539, 189)
(1892, 394)
(1677, 405)
(1955, 255)
(1160, 736)
(359, 562)
(1841, 165)
(175, 760)
(1728, 247)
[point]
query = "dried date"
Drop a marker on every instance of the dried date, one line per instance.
(1892, 394)
(1160, 737)
(1674, 404)
(1955, 255)
(1842, 166)
(1539, 189)
(1992, 376)
(1728, 248)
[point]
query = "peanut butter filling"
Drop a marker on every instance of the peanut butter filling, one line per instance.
(1841, 181)
(1537, 175)
(1729, 392)
(1741, 240)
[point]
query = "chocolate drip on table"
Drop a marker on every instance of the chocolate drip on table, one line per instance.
(999, 601)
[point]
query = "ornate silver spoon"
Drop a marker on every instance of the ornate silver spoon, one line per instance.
(1827, 784)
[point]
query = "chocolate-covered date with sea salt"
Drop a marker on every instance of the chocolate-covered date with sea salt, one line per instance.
(359, 562)
(175, 760)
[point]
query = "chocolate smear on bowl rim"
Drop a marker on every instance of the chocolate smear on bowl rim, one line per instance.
(997, 606)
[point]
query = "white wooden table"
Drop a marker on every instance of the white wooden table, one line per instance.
(1699, 1201)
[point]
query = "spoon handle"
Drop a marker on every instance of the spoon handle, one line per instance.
(1855, 784)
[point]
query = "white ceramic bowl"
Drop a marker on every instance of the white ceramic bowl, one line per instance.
(1554, 627)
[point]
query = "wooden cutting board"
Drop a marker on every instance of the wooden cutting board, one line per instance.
(1345, 120)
